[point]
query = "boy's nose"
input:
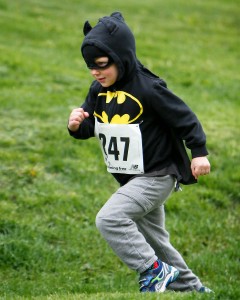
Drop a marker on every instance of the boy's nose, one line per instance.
(94, 71)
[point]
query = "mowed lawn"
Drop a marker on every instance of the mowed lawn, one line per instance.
(52, 186)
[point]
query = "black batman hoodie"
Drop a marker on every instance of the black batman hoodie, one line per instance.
(137, 100)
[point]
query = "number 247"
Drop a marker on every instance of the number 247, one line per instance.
(113, 146)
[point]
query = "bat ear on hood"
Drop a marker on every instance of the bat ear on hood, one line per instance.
(86, 28)
(117, 15)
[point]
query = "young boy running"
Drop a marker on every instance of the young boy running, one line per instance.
(141, 126)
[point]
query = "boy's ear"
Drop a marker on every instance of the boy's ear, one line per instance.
(86, 28)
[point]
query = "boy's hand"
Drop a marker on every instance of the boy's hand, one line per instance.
(200, 166)
(77, 116)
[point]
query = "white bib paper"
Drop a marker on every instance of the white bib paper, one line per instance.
(121, 146)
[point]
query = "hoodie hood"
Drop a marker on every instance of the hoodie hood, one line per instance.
(112, 36)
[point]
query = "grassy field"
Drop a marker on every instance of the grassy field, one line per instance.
(51, 186)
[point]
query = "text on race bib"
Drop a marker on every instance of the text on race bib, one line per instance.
(121, 145)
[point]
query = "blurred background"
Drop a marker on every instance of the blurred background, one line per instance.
(52, 186)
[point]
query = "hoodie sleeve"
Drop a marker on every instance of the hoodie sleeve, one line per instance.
(178, 116)
(86, 129)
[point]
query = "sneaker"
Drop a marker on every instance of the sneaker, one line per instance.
(205, 289)
(156, 280)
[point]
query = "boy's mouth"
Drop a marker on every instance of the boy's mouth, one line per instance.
(101, 79)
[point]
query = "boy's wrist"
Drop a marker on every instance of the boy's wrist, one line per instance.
(199, 151)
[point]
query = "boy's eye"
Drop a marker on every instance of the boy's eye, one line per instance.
(102, 64)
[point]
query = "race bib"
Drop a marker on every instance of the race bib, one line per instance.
(121, 146)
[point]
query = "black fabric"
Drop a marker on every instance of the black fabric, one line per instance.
(90, 53)
(180, 156)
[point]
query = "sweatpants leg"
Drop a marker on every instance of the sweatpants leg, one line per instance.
(117, 219)
(152, 226)
(132, 222)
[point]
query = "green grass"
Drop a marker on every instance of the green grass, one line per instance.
(51, 186)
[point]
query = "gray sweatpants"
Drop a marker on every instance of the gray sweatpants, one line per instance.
(132, 221)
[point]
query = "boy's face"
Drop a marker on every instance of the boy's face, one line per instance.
(105, 74)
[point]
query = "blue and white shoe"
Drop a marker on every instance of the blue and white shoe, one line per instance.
(156, 280)
(205, 289)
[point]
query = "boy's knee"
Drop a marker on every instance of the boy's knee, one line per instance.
(101, 221)
(105, 221)
(98, 222)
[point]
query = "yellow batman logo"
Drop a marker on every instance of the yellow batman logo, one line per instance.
(120, 98)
